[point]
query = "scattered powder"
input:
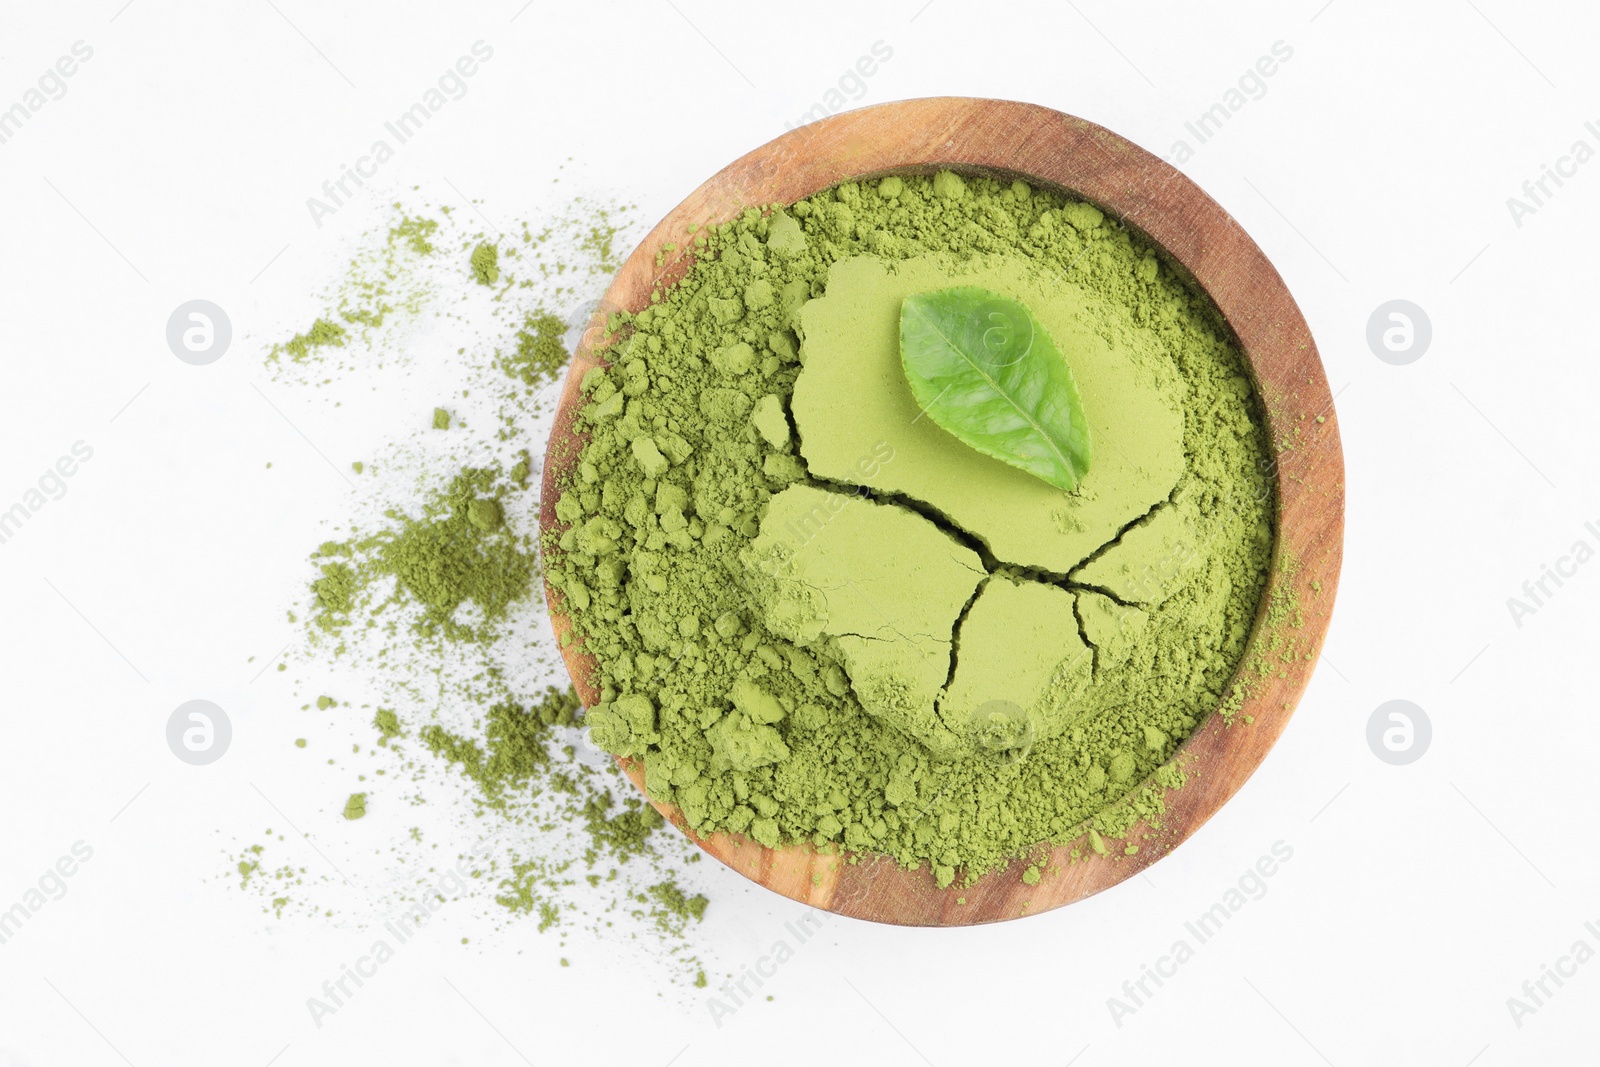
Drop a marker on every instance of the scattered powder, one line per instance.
(457, 551)
(321, 333)
(270, 882)
(541, 352)
(427, 595)
(415, 232)
(398, 273)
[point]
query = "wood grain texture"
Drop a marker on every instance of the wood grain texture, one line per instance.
(1048, 148)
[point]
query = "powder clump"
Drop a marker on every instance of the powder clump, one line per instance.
(485, 263)
(298, 348)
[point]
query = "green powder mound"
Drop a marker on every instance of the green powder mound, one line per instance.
(541, 350)
(1111, 619)
(452, 556)
(457, 554)
(388, 724)
(853, 395)
(486, 263)
(356, 806)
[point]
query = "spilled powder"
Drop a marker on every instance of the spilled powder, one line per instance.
(540, 352)
(458, 551)
(455, 742)
(408, 266)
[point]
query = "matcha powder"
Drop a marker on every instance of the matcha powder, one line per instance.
(753, 710)
(459, 552)
(447, 749)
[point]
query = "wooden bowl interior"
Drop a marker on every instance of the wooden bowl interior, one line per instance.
(1045, 148)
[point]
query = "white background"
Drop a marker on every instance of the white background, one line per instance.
(1376, 166)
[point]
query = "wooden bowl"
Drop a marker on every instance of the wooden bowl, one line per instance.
(1046, 148)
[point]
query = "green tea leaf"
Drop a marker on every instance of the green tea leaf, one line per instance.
(985, 369)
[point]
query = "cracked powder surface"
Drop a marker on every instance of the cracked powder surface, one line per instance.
(1132, 398)
(1040, 691)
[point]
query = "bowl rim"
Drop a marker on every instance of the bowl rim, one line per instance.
(1013, 139)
